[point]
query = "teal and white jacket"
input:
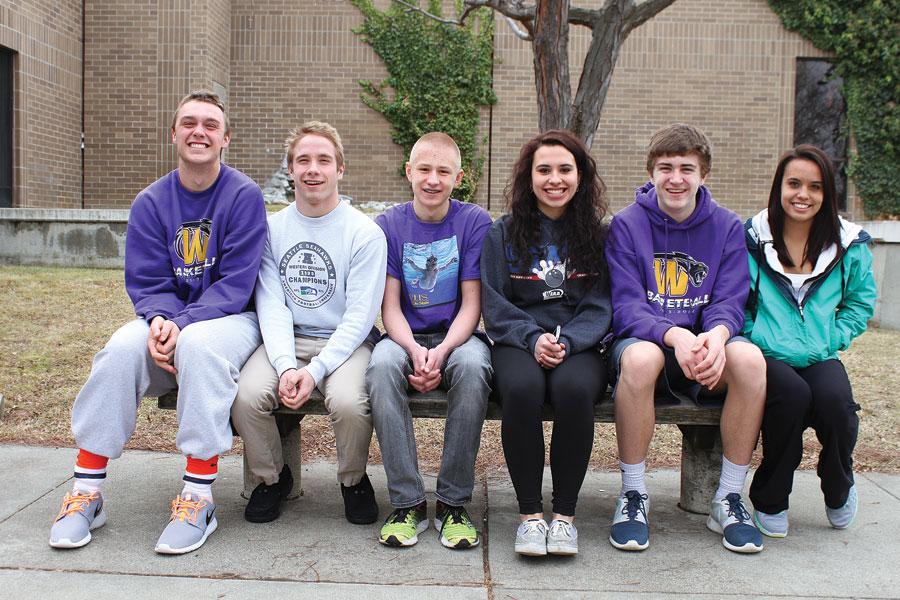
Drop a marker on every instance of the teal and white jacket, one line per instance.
(839, 299)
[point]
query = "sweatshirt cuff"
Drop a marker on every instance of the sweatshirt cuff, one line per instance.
(182, 322)
(531, 340)
(316, 369)
(283, 363)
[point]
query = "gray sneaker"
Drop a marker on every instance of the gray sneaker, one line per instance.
(79, 515)
(531, 538)
(193, 520)
(840, 518)
(562, 538)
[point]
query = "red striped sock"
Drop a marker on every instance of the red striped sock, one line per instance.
(199, 476)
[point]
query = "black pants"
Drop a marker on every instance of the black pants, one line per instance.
(572, 389)
(820, 397)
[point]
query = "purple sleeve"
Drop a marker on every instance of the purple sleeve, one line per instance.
(732, 285)
(632, 315)
(240, 254)
(149, 280)
(477, 227)
(394, 255)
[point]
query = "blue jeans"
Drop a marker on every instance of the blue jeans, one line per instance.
(466, 377)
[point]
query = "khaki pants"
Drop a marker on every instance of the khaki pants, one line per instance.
(345, 398)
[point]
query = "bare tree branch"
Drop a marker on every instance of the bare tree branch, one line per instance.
(428, 14)
(518, 31)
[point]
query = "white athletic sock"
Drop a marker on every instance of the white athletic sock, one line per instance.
(88, 481)
(731, 481)
(633, 477)
(203, 490)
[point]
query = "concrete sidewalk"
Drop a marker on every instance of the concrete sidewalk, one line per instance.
(312, 552)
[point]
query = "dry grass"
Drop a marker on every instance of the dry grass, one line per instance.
(54, 320)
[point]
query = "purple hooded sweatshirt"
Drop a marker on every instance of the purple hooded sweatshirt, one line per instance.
(194, 256)
(666, 274)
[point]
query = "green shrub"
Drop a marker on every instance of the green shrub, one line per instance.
(865, 38)
(439, 75)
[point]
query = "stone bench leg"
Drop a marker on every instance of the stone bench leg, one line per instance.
(701, 464)
(289, 428)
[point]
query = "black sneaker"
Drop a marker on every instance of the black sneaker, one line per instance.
(360, 507)
(265, 501)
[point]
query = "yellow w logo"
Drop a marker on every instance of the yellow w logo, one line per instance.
(670, 277)
(194, 242)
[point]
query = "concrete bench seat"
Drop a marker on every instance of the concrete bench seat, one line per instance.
(701, 448)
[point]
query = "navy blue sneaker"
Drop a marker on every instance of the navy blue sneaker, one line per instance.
(729, 517)
(630, 530)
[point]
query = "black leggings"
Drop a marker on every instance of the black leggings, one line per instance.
(820, 397)
(572, 389)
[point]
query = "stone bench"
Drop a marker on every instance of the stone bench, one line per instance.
(701, 447)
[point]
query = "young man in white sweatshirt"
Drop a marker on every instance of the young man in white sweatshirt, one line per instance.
(319, 289)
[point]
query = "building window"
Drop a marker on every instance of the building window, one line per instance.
(820, 116)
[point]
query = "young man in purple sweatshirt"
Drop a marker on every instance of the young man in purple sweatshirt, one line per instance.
(193, 247)
(679, 278)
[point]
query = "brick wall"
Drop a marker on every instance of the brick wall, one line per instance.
(46, 36)
(141, 58)
(727, 67)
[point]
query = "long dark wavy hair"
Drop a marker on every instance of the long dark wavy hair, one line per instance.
(583, 229)
(826, 228)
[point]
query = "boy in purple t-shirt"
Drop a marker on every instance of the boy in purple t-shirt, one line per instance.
(432, 302)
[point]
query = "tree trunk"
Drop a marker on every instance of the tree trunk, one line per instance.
(551, 63)
(606, 41)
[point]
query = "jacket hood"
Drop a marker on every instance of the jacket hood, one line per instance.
(645, 197)
(758, 231)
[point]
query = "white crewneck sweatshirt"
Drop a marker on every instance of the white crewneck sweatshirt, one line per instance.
(321, 277)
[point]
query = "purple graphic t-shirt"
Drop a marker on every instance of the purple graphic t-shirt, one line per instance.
(431, 259)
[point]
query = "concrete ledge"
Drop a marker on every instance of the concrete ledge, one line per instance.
(63, 237)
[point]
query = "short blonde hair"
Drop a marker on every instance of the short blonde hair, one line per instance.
(315, 128)
(438, 138)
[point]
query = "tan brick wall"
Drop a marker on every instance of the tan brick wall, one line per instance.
(295, 61)
(46, 35)
(725, 66)
(142, 57)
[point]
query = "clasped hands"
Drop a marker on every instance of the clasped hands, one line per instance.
(428, 364)
(161, 343)
(701, 357)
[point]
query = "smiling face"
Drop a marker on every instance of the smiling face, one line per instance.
(199, 134)
(677, 179)
(433, 171)
(554, 179)
(801, 191)
(315, 171)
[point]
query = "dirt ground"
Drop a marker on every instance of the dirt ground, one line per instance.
(54, 320)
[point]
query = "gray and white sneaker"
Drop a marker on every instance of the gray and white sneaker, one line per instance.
(80, 514)
(531, 538)
(193, 520)
(562, 538)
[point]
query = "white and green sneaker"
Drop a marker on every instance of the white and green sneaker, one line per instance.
(403, 526)
(456, 527)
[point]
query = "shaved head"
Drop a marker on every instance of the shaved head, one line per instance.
(436, 139)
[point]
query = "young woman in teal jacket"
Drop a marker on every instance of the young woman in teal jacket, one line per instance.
(812, 292)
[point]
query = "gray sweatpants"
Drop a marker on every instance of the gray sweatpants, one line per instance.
(208, 356)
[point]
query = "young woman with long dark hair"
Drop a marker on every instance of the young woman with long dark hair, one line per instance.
(812, 292)
(546, 307)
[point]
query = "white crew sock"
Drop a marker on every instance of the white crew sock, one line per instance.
(731, 481)
(633, 477)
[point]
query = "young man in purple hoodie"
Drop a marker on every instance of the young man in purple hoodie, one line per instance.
(679, 278)
(193, 247)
